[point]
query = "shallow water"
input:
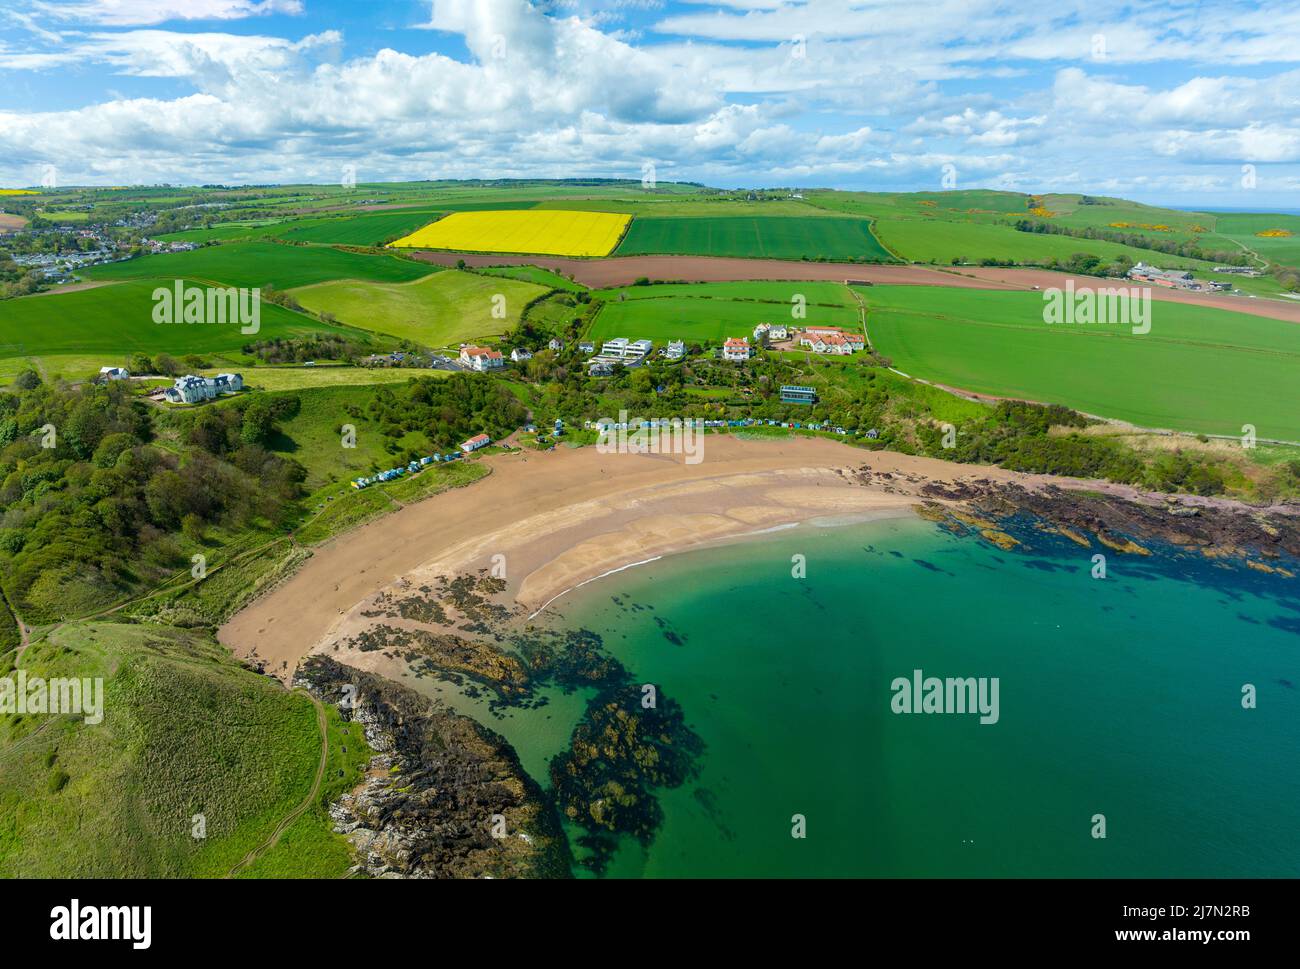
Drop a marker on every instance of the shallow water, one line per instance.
(1118, 697)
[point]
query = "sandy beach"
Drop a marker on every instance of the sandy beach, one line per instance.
(558, 519)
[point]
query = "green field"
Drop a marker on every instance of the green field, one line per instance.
(712, 319)
(932, 240)
(254, 264)
(1198, 369)
(108, 323)
(701, 207)
(773, 291)
(186, 731)
(1243, 227)
(534, 274)
(442, 309)
(359, 230)
(806, 237)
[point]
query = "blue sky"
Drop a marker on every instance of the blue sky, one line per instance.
(1185, 102)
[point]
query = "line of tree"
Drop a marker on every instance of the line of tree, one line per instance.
(1136, 240)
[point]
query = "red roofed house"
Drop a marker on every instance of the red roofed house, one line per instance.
(476, 442)
(481, 358)
(736, 348)
(831, 339)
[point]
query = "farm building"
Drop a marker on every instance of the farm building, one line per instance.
(736, 348)
(476, 442)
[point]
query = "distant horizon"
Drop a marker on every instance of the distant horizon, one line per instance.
(1279, 205)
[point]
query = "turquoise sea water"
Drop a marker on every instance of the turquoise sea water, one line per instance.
(1118, 696)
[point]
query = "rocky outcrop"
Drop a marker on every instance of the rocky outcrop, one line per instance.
(444, 797)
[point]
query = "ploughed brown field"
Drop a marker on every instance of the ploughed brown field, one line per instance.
(624, 270)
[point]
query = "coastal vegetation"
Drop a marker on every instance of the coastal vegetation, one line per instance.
(168, 784)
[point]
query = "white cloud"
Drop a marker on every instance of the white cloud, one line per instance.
(135, 13)
(740, 92)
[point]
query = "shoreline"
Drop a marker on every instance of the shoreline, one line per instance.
(547, 523)
(554, 520)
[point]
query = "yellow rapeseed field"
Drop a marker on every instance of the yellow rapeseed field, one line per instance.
(17, 191)
(547, 232)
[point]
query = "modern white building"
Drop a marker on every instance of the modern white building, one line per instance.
(622, 347)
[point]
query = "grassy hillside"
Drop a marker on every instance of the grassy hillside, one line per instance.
(442, 309)
(1245, 228)
(1198, 369)
(90, 328)
(186, 731)
(793, 237)
(253, 264)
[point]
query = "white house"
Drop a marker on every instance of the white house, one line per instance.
(556, 345)
(476, 442)
(621, 346)
(481, 358)
(586, 346)
(736, 348)
(519, 354)
(833, 343)
(191, 389)
(113, 373)
(767, 332)
(831, 339)
(675, 350)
